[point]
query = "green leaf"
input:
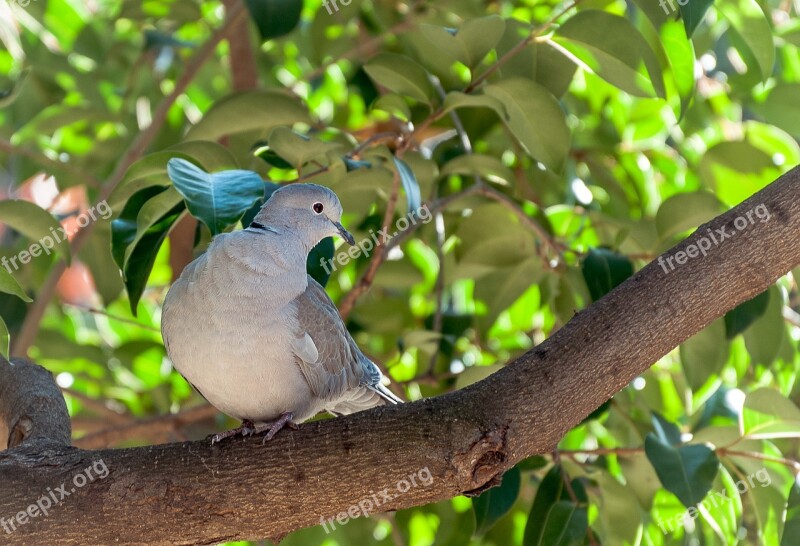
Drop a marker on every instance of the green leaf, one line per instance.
(764, 337)
(486, 166)
(693, 13)
(151, 214)
(9, 285)
(749, 22)
(410, 184)
(736, 170)
(36, 224)
(137, 263)
(704, 354)
(5, 338)
(248, 111)
(566, 525)
(401, 75)
(275, 18)
(495, 503)
(535, 118)
(791, 529)
(96, 254)
(738, 319)
(393, 104)
(7, 97)
(667, 432)
(685, 211)
(319, 255)
(781, 108)
(611, 47)
(658, 14)
(604, 270)
(619, 511)
(768, 414)
(298, 149)
(688, 471)
(220, 199)
(479, 36)
(554, 518)
(501, 288)
(457, 99)
(681, 56)
(151, 170)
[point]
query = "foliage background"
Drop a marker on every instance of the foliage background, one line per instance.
(561, 146)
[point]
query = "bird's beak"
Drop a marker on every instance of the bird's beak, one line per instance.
(344, 233)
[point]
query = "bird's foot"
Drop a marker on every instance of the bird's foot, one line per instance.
(247, 428)
(285, 420)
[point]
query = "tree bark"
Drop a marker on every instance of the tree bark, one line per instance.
(195, 493)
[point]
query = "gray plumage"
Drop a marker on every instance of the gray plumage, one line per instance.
(256, 335)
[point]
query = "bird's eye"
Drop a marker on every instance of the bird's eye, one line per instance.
(318, 208)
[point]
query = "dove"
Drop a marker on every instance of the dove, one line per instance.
(256, 335)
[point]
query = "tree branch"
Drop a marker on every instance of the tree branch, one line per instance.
(195, 493)
(32, 410)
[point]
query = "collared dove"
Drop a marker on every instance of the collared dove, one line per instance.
(257, 336)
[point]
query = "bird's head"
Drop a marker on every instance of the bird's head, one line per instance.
(312, 212)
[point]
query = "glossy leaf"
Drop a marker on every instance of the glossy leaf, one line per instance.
(137, 263)
(554, 518)
(704, 354)
(748, 20)
(685, 211)
(9, 285)
(37, 225)
(220, 199)
(603, 270)
(496, 502)
(693, 13)
(275, 18)
(535, 118)
(402, 76)
(768, 414)
(611, 47)
(739, 319)
(248, 111)
(687, 471)
(410, 185)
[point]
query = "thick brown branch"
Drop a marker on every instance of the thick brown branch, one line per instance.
(193, 493)
(32, 410)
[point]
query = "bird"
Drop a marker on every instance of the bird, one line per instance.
(257, 336)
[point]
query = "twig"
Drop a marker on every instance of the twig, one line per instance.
(147, 429)
(98, 407)
(359, 50)
(45, 161)
(535, 33)
(95, 311)
(794, 465)
(378, 256)
(33, 318)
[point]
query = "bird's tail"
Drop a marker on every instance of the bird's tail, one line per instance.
(386, 394)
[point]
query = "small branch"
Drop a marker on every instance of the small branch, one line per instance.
(794, 465)
(95, 311)
(378, 257)
(152, 429)
(32, 409)
(98, 407)
(535, 33)
(48, 163)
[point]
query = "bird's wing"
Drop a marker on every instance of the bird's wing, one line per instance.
(330, 360)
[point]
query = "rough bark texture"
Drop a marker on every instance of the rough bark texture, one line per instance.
(193, 493)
